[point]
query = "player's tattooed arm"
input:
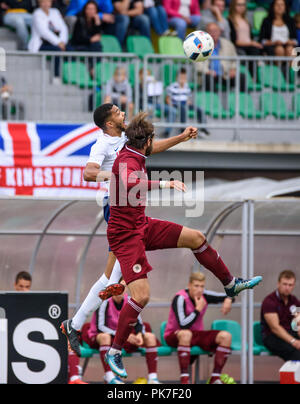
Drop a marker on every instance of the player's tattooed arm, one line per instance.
(93, 173)
(165, 144)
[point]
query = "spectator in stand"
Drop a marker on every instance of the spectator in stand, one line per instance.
(130, 14)
(215, 14)
(158, 16)
(87, 31)
(18, 15)
(182, 14)
(297, 21)
(118, 91)
(179, 100)
(220, 72)
(105, 9)
(23, 283)
(49, 31)
(185, 327)
(277, 313)
(241, 29)
(278, 32)
(99, 334)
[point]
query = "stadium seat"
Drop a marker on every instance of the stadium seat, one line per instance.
(296, 105)
(140, 45)
(110, 44)
(258, 346)
(250, 83)
(76, 73)
(258, 18)
(233, 328)
(168, 45)
(271, 76)
(247, 108)
(274, 104)
(211, 104)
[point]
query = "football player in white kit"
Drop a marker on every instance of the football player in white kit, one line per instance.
(111, 140)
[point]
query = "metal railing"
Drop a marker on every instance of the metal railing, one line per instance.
(249, 94)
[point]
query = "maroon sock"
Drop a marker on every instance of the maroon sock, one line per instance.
(151, 359)
(184, 357)
(103, 350)
(127, 320)
(221, 356)
(211, 260)
(73, 365)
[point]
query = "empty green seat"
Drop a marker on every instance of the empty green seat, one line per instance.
(271, 76)
(250, 83)
(258, 346)
(110, 44)
(296, 105)
(258, 18)
(233, 328)
(140, 45)
(211, 104)
(169, 45)
(247, 108)
(274, 104)
(77, 73)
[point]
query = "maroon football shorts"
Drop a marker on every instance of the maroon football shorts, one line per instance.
(130, 246)
(206, 340)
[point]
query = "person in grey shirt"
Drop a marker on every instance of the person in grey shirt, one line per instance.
(118, 91)
(214, 13)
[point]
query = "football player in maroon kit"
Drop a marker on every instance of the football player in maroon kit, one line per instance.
(130, 233)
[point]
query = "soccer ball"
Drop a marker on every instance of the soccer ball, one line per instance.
(198, 46)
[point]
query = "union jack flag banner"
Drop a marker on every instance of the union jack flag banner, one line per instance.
(45, 160)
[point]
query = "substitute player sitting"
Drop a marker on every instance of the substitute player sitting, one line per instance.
(130, 233)
(100, 333)
(185, 327)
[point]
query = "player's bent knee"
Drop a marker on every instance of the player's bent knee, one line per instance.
(103, 339)
(224, 338)
(184, 336)
(150, 339)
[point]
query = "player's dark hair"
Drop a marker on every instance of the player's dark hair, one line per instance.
(287, 274)
(139, 131)
(23, 276)
(102, 115)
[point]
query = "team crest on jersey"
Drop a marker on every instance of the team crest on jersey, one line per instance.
(137, 268)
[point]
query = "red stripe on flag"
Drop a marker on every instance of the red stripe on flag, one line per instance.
(22, 152)
(63, 146)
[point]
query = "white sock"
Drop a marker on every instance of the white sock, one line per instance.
(91, 303)
(231, 284)
(152, 376)
(116, 274)
(109, 376)
(114, 351)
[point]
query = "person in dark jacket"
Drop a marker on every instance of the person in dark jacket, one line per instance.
(18, 15)
(278, 33)
(87, 31)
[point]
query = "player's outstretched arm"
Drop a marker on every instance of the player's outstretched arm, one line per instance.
(178, 185)
(93, 173)
(160, 146)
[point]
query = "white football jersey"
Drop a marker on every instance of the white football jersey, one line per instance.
(104, 152)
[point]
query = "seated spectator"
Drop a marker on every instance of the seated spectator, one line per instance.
(18, 15)
(23, 283)
(277, 313)
(179, 99)
(130, 14)
(105, 9)
(185, 327)
(215, 14)
(182, 14)
(99, 334)
(215, 73)
(158, 16)
(278, 32)
(49, 31)
(118, 91)
(10, 108)
(240, 27)
(297, 21)
(87, 31)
